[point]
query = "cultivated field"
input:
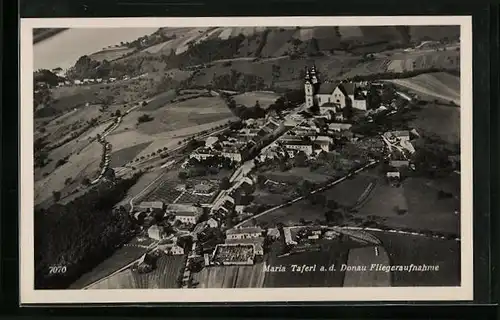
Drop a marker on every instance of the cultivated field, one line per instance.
(165, 191)
(424, 210)
(332, 254)
(408, 61)
(291, 215)
(406, 250)
(121, 157)
(190, 198)
(366, 256)
(230, 277)
(159, 101)
(265, 98)
(349, 191)
(442, 86)
(185, 114)
(110, 53)
(444, 121)
(119, 259)
(165, 275)
(297, 174)
(79, 166)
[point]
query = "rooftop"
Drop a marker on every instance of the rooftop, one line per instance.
(327, 88)
(184, 209)
(151, 204)
(244, 230)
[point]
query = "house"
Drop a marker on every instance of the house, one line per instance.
(244, 233)
(77, 82)
(140, 216)
(239, 208)
(98, 80)
(212, 223)
(151, 205)
(185, 213)
(156, 232)
(323, 142)
(232, 154)
(209, 142)
(393, 177)
(393, 136)
(308, 130)
(337, 127)
(171, 248)
(268, 154)
(305, 146)
(227, 206)
(180, 187)
(399, 163)
(202, 154)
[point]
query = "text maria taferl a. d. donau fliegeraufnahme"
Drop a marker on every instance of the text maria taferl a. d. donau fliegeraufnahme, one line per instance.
(199, 157)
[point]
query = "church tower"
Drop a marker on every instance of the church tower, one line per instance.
(308, 88)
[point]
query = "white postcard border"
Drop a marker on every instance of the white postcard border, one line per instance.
(28, 295)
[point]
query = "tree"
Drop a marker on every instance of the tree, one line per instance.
(300, 159)
(183, 175)
(118, 113)
(56, 195)
(225, 184)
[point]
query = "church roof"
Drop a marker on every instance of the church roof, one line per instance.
(327, 88)
(347, 88)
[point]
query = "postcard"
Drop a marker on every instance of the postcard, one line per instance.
(250, 159)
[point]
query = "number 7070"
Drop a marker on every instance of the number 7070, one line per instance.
(57, 269)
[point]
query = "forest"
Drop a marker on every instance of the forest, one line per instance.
(75, 237)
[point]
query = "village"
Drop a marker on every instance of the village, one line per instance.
(217, 226)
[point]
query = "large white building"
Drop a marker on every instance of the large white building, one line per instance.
(244, 233)
(342, 95)
(185, 213)
(304, 146)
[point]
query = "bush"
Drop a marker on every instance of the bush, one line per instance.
(145, 118)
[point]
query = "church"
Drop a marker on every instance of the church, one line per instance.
(330, 96)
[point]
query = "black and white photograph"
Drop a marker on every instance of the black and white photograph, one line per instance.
(277, 158)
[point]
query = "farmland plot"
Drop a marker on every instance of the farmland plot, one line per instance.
(366, 256)
(231, 277)
(428, 251)
(119, 259)
(121, 157)
(163, 276)
(443, 121)
(439, 85)
(333, 254)
(265, 98)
